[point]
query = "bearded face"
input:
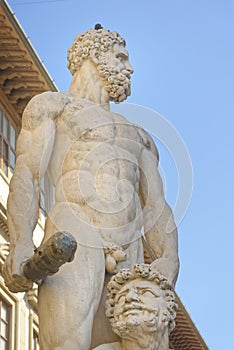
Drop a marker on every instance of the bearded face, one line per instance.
(139, 307)
(132, 326)
(114, 68)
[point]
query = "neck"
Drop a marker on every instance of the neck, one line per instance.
(87, 84)
(147, 342)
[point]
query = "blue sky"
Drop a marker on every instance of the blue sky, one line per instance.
(182, 54)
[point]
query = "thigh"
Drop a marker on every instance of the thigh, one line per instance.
(67, 304)
(102, 331)
(69, 299)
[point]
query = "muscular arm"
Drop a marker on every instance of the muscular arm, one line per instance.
(34, 147)
(159, 226)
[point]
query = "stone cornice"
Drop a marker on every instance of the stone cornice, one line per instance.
(22, 73)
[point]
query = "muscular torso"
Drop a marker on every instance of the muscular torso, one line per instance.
(95, 164)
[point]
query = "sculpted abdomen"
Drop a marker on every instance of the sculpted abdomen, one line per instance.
(68, 188)
(96, 172)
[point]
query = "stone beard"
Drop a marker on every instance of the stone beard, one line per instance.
(118, 83)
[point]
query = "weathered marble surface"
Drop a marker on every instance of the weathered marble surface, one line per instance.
(107, 187)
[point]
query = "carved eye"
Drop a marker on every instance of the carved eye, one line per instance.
(148, 292)
(121, 56)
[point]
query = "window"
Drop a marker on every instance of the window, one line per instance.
(8, 138)
(5, 315)
(46, 196)
(42, 197)
(33, 331)
(8, 316)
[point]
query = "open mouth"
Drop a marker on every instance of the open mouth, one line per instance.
(132, 309)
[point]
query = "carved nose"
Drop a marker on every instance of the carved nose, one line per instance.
(129, 67)
(132, 296)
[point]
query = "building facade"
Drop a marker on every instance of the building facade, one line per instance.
(22, 76)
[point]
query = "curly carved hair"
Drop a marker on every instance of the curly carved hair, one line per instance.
(142, 272)
(93, 44)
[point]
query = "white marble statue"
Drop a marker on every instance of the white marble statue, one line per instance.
(142, 308)
(107, 188)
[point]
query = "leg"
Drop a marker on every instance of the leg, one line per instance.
(68, 300)
(102, 331)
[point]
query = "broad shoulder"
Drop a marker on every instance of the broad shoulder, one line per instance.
(147, 141)
(119, 118)
(43, 106)
(143, 136)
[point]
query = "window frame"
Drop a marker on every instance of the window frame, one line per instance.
(33, 330)
(6, 321)
(12, 303)
(7, 169)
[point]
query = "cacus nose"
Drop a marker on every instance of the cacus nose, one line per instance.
(132, 296)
